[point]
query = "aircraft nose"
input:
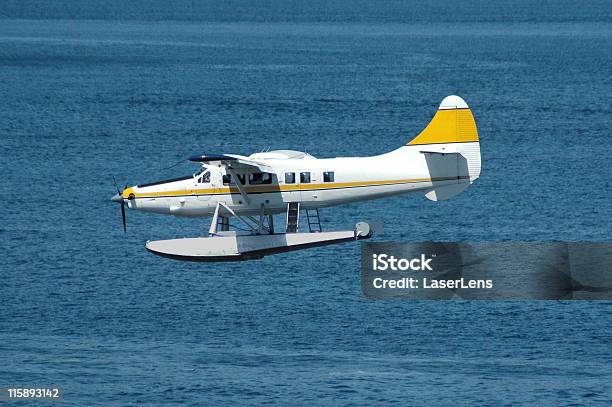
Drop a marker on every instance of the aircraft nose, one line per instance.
(117, 198)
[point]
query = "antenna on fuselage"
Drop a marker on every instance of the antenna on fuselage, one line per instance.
(173, 165)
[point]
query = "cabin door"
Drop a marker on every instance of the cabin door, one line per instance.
(205, 185)
(306, 180)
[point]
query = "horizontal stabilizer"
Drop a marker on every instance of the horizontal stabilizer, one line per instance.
(440, 149)
(446, 192)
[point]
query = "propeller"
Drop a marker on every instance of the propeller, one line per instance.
(119, 199)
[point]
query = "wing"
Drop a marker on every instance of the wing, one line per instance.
(231, 161)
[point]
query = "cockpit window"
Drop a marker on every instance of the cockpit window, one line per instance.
(204, 178)
(200, 171)
(202, 175)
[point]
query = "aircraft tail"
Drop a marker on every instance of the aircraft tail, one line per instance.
(451, 149)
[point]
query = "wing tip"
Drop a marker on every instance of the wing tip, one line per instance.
(202, 158)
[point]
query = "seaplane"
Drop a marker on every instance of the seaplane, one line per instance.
(440, 162)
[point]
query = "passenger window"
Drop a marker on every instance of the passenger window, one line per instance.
(328, 176)
(255, 179)
(259, 178)
(290, 178)
(304, 177)
(242, 178)
(227, 179)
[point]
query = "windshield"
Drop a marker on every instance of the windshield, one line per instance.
(200, 171)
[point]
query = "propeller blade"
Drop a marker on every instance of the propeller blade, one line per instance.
(119, 199)
(123, 216)
(116, 186)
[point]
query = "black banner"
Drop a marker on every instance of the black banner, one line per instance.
(505, 271)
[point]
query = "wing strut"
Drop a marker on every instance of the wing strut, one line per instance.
(223, 212)
(214, 223)
(243, 192)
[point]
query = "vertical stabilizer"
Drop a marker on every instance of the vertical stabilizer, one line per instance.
(451, 147)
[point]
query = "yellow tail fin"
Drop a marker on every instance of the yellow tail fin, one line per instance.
(452, 123)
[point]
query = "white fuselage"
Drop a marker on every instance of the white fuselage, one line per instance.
(317, 183)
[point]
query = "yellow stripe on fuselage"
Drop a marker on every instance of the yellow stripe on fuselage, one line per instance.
(276, 188)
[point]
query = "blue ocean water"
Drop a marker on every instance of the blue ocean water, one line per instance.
(93, 91)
